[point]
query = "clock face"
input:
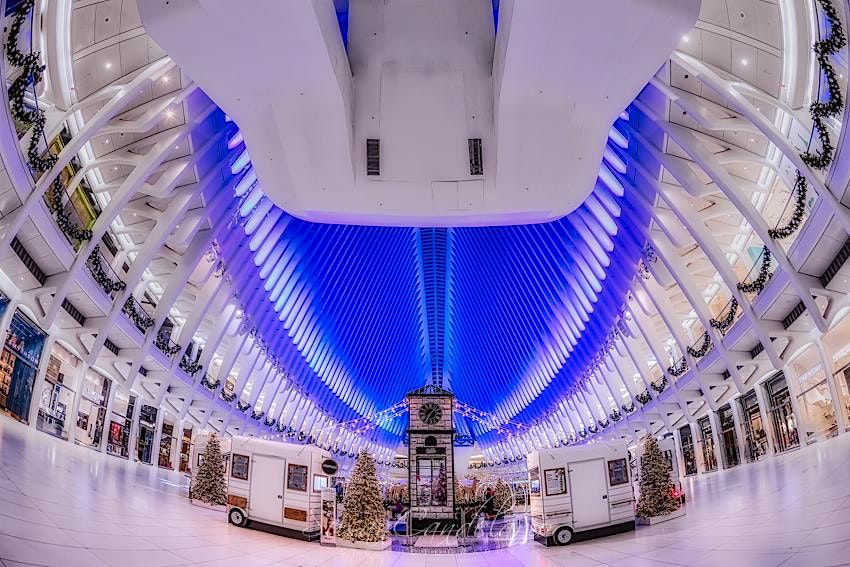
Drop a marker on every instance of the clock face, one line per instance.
(430, 413)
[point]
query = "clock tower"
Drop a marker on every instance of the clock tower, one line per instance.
(430, 444)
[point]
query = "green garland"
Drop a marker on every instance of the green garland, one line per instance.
(644, 397)
(191, 368)
(661, 386)
(820, 159)
(163, 343)
(142, 320)
(31, 74)
(106, 283)
(820, 111)
(723, 324)
(758, 284)
(801, 189)
(703, 349)
(679, 368)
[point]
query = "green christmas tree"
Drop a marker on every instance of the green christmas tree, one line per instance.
(656, 488)
(440, 487)
(504, 500)
(209, 485)
(363, 515)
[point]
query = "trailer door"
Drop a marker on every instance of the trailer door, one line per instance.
(267, 489)
(589, 489)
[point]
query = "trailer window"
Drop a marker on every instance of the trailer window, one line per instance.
(556, 481)
(534, 481)
(296, 478)
(618, 472)
(239, 467)
(320, 481)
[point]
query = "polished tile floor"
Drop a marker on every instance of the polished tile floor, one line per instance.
(68, 506)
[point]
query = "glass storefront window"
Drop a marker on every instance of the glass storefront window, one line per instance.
(842, 384)
(92, 413)
(185, 449)
(165, 444)
(121, 420)
(815, 399)
(728, 437)
(688, 453)
(781, 414)
(755, 438)
(56, 399)
(147, 428)
(18, 365)
(708, 453)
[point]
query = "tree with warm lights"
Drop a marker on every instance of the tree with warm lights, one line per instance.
(656, 488)
(363, 515)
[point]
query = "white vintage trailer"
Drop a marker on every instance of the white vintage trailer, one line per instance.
(580, 492)
(668, 450)
(273, 483)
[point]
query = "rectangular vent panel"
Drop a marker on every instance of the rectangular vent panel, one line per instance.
(73, 312)
(373, 156)
(28, 261)
(476, 157)
(111, 347)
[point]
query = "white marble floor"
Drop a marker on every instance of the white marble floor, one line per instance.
(68, 506)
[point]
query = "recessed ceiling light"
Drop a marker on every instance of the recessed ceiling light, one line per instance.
(108, 65)
(744, 62)
(686, 39)
(165, 79)
(106, 141)
(169, 113)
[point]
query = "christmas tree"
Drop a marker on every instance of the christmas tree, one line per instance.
(209, 485)
(656, 488)
(504, 500)
(363, 515)
(439, 490)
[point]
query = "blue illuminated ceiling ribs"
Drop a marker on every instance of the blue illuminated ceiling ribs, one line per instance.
(512, 314)
(435, 247)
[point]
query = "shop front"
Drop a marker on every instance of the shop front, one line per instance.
(755, 438)
(19, 364)
(709, 455)
(166, 443)
(61, 381)
(120, 423)
(782, 419)
(185, 449)
(689, 455)
(728, 437)
(147, 429)
(815, 400)
(91, 416)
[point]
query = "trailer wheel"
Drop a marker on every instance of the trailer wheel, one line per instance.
(563, 536)
(237, 517)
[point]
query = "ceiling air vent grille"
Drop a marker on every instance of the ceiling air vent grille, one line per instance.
(373, 156)
(476, 157)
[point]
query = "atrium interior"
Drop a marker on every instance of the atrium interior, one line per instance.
(385, 282)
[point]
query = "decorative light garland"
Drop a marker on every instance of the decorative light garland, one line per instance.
(703, 349)
(227, 396)
(163, 343)
(31, 74)
(628, 408)
(191, 368)
(801, 190)
(723, 325)
(644, 397)
(661, 386)
(142, 320)
(603, 423)
(256, 415)
(757, 285)
(678, 368)
(205, 381)
(242, 406)
(100, 276)
(821, 111)
(269, 421)
(615, 416)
